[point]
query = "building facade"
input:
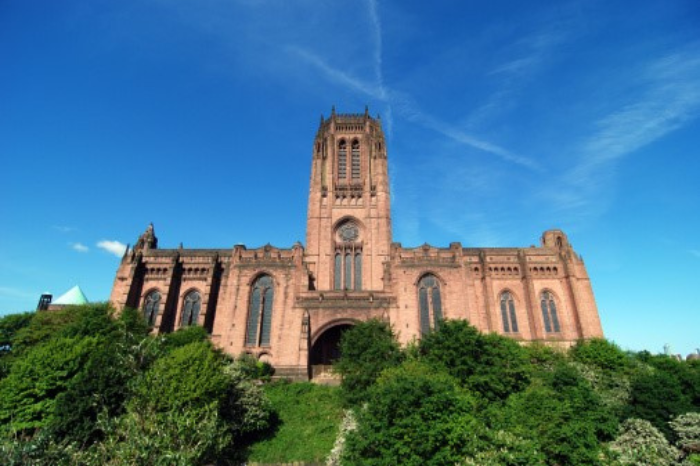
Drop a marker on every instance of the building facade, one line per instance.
(289, 306)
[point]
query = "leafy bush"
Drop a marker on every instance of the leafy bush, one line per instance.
(190, 376)
(657, 397)
(28, 394)
(414, 416)
(252, 368)
(366, 350)
(100, 387)
(613, 389)
(505, 449)
(563, 415)
(686, 428)
(175, 437)
(41, 449)
(184, 336)
(492, 365)
(197, 377)
(9, 326)
(640, 443)
(602, 354)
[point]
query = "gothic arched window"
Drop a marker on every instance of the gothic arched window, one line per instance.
(430, 303)
(347, 270)
(338, 272)
(510, 322)
(151, 307)
(342, 160)
(262, 295)
(190, 309)
(549, 312)
(355, 160)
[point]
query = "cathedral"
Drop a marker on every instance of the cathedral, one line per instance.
(289, 306)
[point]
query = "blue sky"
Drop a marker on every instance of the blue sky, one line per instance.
(503, 118)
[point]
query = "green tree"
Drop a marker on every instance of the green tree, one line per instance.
(101, 387)
(602, 354)
(491, 365)
(184, 336)
(562, 414)
(199, 380)
(28, 394)
(657, 397)
(414, 416)
(366, 350)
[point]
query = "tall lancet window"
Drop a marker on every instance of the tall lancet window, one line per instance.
(430, 303)
(342, 160)
(549, 313)
(190, 309)
(355, 165)
(347, 270)
(262, 295)
(151, 307)
(510, 322)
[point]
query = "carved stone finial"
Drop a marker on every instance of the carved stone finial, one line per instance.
(147, 240)
(333, 110)
(366, 110)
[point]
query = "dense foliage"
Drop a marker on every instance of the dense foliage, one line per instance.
(367, 349)
(462, 397)
(82, 386)
(414, 416)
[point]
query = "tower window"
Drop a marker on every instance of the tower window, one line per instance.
(355, 160)
(549, 313)
(150, 307)
(260, 312)
(510, 322)
(347, 268)
(190, 310)
(430, 303)
(342, 160)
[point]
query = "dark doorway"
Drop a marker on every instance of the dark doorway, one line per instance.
(326, 350)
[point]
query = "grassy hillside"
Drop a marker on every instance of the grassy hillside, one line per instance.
(309, 417)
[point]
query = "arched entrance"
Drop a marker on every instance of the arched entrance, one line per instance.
(326, 350)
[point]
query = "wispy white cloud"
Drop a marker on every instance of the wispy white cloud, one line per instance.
(695, 252)
(669, 99)
(524, 59)
(406, 107)
(113, 247)
(672, 98)
(337, 76)
(377, 32)
(80, 247)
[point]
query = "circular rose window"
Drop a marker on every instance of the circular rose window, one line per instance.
(348, 232)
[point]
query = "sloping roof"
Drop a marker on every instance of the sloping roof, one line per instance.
(73, 296)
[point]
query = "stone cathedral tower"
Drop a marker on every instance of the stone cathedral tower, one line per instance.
(348, 229)
(289, 306)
